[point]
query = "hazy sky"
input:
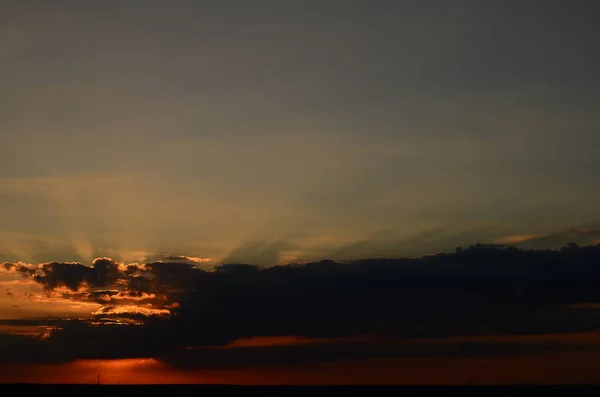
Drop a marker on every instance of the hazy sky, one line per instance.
(268, 131)
(152, 140)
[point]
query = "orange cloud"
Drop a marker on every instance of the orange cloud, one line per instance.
(147, 310)
(516, 239)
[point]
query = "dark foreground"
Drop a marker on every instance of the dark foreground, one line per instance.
(225, 390)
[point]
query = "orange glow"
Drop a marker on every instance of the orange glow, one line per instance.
(515, 239)
(123, 364)
(542, 368)
(132, 309)
(197, 259)
(553, 367)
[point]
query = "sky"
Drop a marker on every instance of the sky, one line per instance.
(145, 141)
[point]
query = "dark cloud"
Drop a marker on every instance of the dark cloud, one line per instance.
(183, 311)
(23, 269)
(102, 273)
(19, 349)
(292, 355)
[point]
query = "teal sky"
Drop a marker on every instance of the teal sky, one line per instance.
(272, 131)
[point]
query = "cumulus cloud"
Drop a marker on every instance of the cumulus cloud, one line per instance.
(73, 276)
(133, 291)
(185, 311)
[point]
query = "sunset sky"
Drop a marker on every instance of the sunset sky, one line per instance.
(146, 146)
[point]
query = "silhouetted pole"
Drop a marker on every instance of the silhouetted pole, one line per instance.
(99, 374)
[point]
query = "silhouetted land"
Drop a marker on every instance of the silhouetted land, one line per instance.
(197, 390)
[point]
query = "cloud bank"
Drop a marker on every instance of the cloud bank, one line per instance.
(312, 312)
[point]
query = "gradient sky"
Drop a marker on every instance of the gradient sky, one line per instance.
(150, 141)
(211, 128)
